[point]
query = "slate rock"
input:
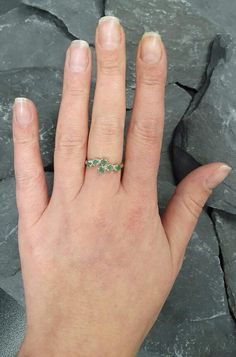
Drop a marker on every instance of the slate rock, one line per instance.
(208, 130)
(195, 320)
(143, 353)
(225, 225)
(8, 5)
(80, 17)
(221, 12)
(182, 162)
(177, 101)
(187, 34)
(28, 40)
(212, 337)
(12, 325)
(13, 286)
(9, 256)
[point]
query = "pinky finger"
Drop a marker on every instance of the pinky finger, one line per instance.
(31, 187)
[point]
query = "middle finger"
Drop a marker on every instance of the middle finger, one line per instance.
(108, 117)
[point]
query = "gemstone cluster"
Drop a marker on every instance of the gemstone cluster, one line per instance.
(103, 165)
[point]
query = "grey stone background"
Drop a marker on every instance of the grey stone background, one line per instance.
(199, 317)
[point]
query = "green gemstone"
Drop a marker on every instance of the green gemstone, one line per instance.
(104, 162)
(101, 169)
(109, 167)
(95, 162)
(117, 167)
(89, 163)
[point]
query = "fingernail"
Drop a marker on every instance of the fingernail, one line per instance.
(218, 176)
(109, 32)
(151, 49)
(79, 55)
(22, 111)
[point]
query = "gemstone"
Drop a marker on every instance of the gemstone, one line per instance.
(95, 162)
(104, 162)
(101, 169)
(117, 167)
(109, 167)
(89, 163)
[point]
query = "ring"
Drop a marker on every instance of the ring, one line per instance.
(103, 165)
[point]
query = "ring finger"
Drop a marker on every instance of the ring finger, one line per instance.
(108, 117)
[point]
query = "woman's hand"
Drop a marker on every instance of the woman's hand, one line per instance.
(98, 261)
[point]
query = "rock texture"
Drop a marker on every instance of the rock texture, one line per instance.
(225, 225)
(13, 286)
(9, 257)
(208, 130)
(8, 5)
(176, 103)
(30, 35)
(79, 17)
(220, 12)
(11, 326)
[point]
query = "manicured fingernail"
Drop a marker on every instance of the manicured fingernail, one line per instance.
(79, 55)
(109, 32)
(22, 111)
(218, 176)
(151, 49)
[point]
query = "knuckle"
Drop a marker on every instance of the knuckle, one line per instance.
(110, 66)
(150, 81)
(111, 127)
(68, 143)
(191, 204)
(26, 140)
(77, 92)
(29, 177)
(152, 77)
(146, 130)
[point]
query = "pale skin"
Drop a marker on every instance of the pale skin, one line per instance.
(98, 261)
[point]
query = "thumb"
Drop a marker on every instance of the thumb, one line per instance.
(185, 206)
